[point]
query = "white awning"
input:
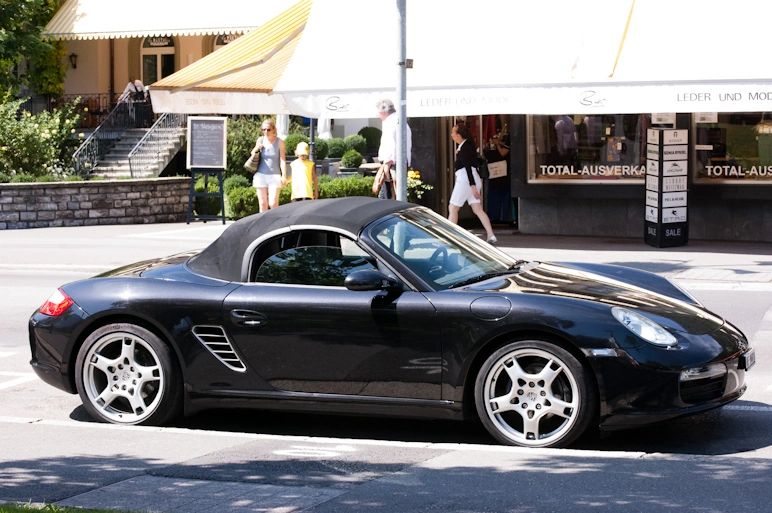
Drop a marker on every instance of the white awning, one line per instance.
(504, 57)
(111, 19)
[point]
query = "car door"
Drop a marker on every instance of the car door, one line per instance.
(302, 331)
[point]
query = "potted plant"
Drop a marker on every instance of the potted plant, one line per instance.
(350, 162)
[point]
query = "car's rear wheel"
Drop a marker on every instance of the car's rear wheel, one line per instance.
(127, 375)
(534, 394)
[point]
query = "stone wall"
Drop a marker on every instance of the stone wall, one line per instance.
(97, 202)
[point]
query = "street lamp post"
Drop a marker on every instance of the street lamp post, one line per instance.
(401, 105)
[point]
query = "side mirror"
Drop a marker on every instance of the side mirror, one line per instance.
(370, 279)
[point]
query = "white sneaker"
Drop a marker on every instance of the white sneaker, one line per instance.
(493, 240)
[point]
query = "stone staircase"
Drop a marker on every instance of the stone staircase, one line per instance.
(115, 163)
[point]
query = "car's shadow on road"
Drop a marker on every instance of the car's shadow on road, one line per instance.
(739, 427)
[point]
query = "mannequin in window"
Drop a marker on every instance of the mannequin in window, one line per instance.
(567, 140)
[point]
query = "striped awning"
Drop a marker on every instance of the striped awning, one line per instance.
(252, 63)
(111, 19)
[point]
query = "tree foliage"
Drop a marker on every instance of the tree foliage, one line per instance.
(21, 24)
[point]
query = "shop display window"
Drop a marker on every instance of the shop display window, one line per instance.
(587, 148)
(732, 148)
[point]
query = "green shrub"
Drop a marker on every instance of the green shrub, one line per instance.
(344, 187)
(234, 181)
(5, 177)
(352, 158)
(207, 206)
(22, 178)
(330, 187)
(291, 143)
(242, 135)
(372, 135)
(337, 147)
(242, 202)
(37, 144)
(46, 178)
(356, 142)
(321, 149)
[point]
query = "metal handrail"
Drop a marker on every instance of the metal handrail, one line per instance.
(153, 146)
(102, 138)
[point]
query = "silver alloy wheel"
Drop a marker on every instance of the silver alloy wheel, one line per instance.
(531, 397)
(123, 378)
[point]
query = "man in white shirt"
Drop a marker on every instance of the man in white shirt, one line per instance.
(134, 89)
(387, 152)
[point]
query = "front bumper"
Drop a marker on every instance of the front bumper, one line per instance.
(644, 384)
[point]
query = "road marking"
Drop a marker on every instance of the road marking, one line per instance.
(21, 377)
(305, 451)
(56, 268)
(738, 407)
(6, 354)
(205, 233)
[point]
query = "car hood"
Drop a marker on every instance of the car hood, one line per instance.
(645, 292)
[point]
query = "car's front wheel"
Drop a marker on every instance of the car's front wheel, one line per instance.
(126, 375)
(534, 394)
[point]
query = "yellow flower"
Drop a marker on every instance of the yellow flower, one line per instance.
(81, 135)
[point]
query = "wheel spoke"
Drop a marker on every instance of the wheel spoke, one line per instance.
(531, 426)
(127, 351)
(103, 363)
(138, 405)
(558, 407)
(548, 374)
(502, 404)
(106, 398)
(515, 372)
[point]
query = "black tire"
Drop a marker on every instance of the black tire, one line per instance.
(532, 393)
(126, 375)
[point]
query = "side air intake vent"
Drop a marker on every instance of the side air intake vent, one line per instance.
(215, 339)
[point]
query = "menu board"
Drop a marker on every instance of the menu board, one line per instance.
(207, 138)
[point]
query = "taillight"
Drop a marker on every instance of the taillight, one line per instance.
(56, 304)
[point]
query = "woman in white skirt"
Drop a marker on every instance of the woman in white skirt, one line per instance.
(272, 172)
(468, 183)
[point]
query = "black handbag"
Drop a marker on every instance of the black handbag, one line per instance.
(482, 167)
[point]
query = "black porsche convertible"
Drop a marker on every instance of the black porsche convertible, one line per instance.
(359, 305)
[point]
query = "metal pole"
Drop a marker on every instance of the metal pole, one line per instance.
(401, 107)
(311, 145)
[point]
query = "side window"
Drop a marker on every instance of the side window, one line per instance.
(309, 258)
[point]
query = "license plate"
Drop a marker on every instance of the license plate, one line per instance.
(748, 359)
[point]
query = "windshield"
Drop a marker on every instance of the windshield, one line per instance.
(438, 251)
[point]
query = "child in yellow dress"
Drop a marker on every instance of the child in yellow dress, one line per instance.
(305, 184)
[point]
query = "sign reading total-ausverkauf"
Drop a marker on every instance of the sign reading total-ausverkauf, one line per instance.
(207, 142)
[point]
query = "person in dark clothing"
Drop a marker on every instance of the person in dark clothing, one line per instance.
(468, 183)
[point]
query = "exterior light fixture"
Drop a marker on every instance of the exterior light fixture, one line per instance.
(74, 60)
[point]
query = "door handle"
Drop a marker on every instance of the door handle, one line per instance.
(248, 318)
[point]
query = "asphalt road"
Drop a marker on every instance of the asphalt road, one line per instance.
(52, 452)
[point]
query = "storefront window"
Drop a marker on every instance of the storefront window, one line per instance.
(586, 148)
(733, 148)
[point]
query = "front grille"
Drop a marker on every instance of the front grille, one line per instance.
(699, 390)
(215, 339)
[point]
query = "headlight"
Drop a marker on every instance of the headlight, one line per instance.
(644, 327)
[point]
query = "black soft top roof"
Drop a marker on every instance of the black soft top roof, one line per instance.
(222, 259)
